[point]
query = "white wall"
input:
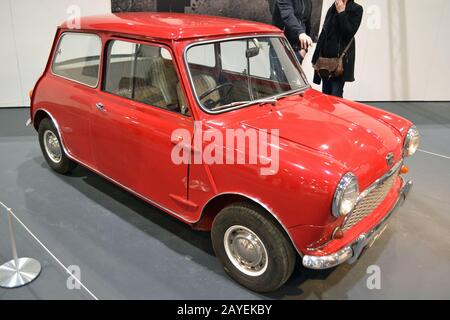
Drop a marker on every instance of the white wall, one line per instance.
(27, 30)
(402, 56)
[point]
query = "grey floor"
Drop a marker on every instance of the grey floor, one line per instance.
(127, 249)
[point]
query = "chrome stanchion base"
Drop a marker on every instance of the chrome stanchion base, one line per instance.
(13, 277)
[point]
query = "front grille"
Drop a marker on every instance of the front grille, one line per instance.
(370, 202)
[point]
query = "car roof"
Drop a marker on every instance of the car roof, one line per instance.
(174, 26)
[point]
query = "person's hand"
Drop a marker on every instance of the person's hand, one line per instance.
(305, 41)
(303, 53)
(340, 5)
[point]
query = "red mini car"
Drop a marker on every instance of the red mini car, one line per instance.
(213, 121)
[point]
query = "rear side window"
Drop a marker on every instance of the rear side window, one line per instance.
(77, 58)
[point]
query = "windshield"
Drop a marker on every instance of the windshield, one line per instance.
(230, 74)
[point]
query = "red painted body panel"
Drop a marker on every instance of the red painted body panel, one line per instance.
(132, 145)
(308, 235)
(173, 26)
(321, 137)
(72, 110)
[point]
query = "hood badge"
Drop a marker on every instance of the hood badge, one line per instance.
(390, 159)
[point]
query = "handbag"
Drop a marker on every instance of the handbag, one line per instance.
(332, 67)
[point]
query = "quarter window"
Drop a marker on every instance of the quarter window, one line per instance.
(77, 58)
(203, 56)
(144, 73)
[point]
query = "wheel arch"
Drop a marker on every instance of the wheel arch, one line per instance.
(222, 200)
(39, 116)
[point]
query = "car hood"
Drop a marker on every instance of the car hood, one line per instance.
(357, 139)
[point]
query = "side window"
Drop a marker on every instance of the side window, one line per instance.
(120, 66)
(144, 73)
(260, 65)
(203, 55)
(233, 55)
(234, 59)
(77, 58)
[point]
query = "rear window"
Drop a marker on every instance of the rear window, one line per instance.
(77, 58)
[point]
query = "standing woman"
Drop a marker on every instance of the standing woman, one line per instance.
(341, 24)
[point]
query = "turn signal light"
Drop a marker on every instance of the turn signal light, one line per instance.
(30, 94)
(404, 170)
(338, 233)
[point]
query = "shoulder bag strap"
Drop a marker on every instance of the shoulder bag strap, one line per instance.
(344, 53)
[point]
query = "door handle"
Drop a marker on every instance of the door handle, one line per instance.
(100, 107)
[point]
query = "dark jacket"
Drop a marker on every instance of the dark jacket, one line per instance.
(294, 17)
(337, 32)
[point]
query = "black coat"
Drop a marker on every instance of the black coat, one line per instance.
(337, 32)
(294, 17)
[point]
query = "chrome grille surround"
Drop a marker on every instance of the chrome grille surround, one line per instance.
(372, 197)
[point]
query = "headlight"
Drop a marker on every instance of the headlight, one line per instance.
(346, 195)
(412, 142)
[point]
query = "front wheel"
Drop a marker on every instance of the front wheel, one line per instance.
(253, 250)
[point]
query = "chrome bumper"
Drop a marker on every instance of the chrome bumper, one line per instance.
(352, 252)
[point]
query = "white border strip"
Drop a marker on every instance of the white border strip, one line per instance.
(434, 154)
(48, 251)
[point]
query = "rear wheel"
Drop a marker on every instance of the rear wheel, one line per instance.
(52, 149)
(252, 248)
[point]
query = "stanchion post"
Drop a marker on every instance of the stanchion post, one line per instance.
(12, 236)
(18, 271)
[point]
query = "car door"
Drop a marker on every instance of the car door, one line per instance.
(141, 104)
(74, 80)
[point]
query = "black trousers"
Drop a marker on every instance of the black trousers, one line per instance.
(333, 86)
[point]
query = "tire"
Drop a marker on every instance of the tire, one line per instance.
(57, 161)
(234, 223)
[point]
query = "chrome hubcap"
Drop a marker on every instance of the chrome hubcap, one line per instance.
(52, 146)
(245, 250)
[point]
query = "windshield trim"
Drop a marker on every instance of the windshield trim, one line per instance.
(250, 36)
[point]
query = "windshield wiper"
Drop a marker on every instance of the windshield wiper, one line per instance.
(245, 103)
(289, 93)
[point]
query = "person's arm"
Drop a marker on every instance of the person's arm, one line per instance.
(308, 27)
(349, 22)
(289, 19)
(308, 23)
(303, 52)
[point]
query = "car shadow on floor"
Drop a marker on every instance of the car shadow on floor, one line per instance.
(83, 180)
(303, 284)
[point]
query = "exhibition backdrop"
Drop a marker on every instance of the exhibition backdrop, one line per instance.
(402, 45)
(256, 10)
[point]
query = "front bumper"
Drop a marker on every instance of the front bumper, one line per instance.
(352, 252)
